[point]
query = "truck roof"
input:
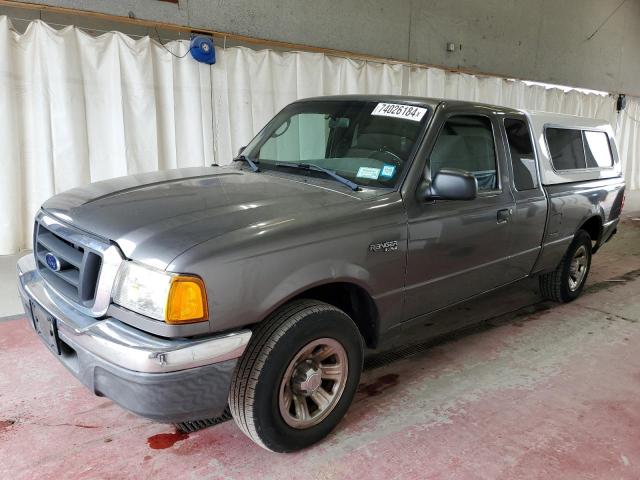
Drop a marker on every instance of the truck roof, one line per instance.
(548, 117)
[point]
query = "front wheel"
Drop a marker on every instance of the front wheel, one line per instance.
(566, 282)
(297, 377)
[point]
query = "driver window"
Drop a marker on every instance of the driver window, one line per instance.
(466, 143)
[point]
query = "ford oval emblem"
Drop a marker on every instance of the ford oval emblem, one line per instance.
(52, 262)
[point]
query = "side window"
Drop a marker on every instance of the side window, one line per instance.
(523, 160)
(466, 143)
(596, 146)
(567, 151)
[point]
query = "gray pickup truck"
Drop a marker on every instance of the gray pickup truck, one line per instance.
(260, 285)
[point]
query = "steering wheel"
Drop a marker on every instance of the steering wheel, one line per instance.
(394, 157)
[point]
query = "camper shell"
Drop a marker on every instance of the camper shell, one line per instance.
(543, 123)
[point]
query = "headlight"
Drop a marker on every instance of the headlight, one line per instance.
(161, 295)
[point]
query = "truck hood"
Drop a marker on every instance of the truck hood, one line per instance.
(157, 216)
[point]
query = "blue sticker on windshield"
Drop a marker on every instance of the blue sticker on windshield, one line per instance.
(368, 172)
(388, 171)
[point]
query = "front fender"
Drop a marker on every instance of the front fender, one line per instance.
(314, 275)
(245, 291)
(248, 277)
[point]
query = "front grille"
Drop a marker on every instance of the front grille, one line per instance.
(75, 270)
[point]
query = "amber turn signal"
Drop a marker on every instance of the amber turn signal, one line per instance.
(187, 302)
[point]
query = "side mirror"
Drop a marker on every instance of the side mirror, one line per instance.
(450, 184)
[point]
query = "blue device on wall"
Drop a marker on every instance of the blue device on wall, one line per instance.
(202, 49)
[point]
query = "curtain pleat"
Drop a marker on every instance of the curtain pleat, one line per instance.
(75, 108)
(628, 133)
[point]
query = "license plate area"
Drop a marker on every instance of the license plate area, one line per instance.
(46, 327)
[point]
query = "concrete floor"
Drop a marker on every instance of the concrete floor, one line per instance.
(542, 391)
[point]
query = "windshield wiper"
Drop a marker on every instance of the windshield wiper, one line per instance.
(244, 158)
(316, 168)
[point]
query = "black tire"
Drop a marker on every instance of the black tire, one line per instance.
(556, 285)
(256, 383)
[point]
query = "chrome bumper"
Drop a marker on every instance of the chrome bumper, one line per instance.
(119, 344)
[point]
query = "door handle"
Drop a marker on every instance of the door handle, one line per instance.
(504, 215)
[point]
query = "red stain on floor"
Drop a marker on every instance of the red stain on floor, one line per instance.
(5, 424)
(380, 385)
(166, 440)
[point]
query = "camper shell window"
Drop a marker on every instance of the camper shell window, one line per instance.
(575, 149)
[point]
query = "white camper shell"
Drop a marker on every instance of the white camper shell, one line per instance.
(573, 149)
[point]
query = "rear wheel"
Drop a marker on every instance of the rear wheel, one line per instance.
(566, 282)
(297, 377)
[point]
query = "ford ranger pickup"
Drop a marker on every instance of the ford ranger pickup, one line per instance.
(259, 286)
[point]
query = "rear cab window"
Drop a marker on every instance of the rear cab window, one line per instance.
(523, 159)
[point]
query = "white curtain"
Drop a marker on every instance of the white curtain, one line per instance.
(76, 108)
(628, 133)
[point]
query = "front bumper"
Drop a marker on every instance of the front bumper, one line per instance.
(168, 380)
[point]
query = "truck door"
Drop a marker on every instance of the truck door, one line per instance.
(458, 249)
(530, 211)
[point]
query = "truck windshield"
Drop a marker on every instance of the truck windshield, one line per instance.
(369, 143)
